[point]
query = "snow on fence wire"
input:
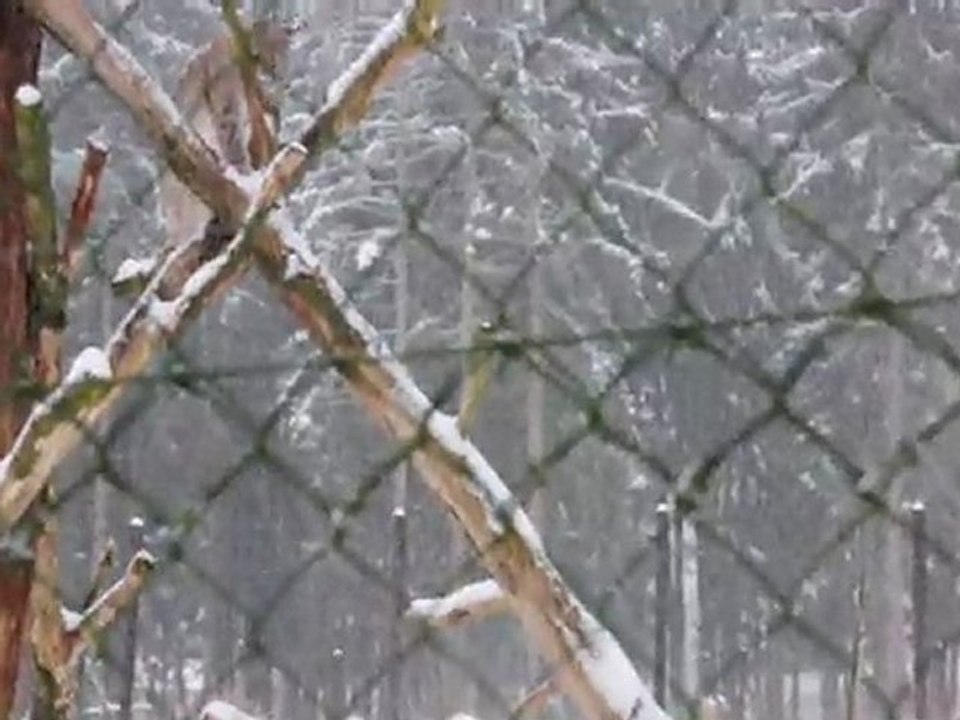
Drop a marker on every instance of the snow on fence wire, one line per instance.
(655, 301)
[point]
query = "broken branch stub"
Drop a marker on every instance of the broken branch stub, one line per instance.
(469, 603)
(82, 206)
(105, 609)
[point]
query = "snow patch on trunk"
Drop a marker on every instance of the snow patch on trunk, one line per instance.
(28, 95)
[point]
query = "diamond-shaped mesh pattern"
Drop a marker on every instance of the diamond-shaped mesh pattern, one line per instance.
(717, 242)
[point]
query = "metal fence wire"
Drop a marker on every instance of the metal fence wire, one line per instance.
(690, 267)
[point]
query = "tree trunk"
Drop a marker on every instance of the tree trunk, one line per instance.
(19, 56)
(16, 572)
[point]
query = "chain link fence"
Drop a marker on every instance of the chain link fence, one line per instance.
(707, 254)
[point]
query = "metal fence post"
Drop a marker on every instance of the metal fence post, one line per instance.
(394, 700)
(662, 603)
(918, 530)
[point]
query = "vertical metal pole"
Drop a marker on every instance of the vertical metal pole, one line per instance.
(393, 709)
(662, 589)
(918, 526)
(678, 620)
(338, 700)
(128, 668)
(394, 700)
(795, 692)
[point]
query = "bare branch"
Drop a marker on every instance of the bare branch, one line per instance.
(105, 565)
(471, 602)
(262, 144)
(105, 609)
(58, 636)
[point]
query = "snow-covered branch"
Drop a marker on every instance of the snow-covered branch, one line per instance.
(589, 664)
(57, 426)
(471, 602)
(85, 628)
(98, 377)
(59, 636)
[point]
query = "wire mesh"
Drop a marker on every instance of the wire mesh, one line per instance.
(715, 243)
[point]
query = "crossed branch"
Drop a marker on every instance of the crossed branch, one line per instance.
(590, 665)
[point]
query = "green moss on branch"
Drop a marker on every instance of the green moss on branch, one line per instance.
(48, 286)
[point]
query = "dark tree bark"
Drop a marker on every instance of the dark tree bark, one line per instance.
(15, 579)
(19, 58)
